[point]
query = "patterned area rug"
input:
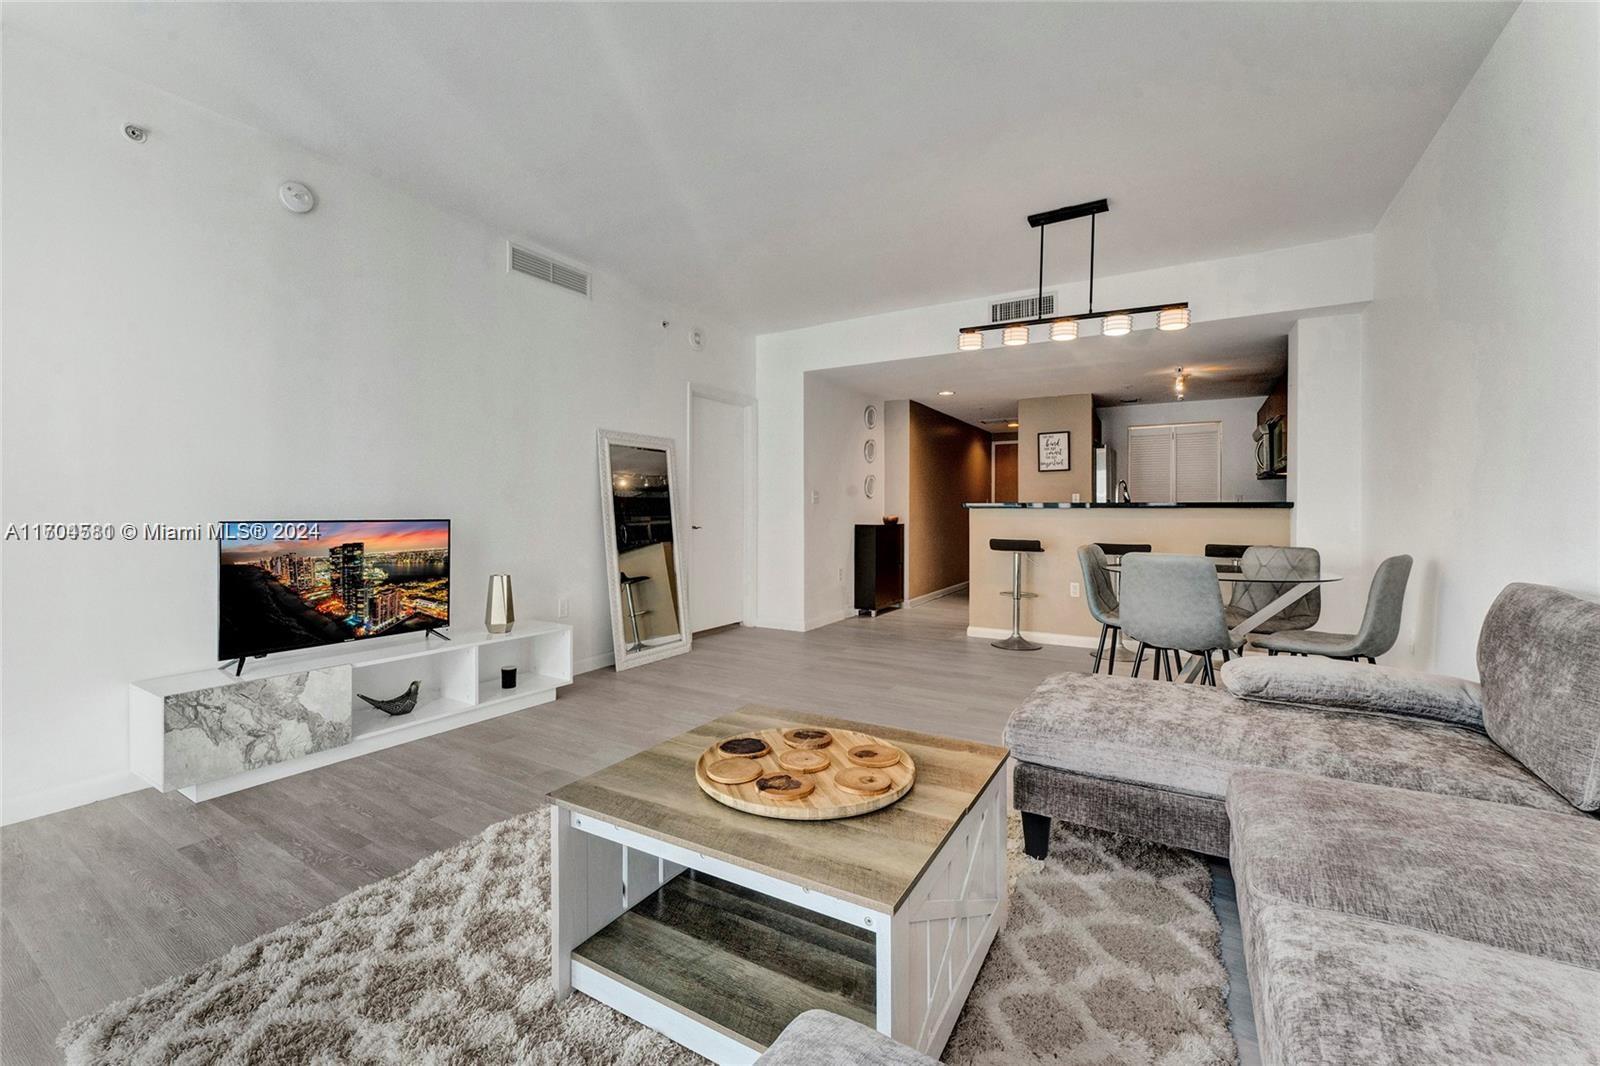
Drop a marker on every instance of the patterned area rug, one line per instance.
(1110, 956)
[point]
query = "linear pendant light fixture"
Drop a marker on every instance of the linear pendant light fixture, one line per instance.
(1118, 323)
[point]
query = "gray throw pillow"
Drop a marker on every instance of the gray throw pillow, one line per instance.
(1318, 682)
(1539, 657)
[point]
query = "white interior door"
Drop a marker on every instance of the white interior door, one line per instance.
(717, 513)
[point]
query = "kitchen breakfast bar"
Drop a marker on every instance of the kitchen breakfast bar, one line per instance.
(1054, 615)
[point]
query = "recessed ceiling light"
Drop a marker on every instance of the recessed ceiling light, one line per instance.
(947, 392)
(1012, 425)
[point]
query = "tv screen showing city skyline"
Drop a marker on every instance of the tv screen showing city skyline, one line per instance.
(301, 584)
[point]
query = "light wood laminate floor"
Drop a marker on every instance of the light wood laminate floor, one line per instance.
(102, 901)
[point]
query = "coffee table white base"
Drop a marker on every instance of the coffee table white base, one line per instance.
(929, 949)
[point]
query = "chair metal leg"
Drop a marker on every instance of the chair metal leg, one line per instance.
(1138, 657)
(1116, 638)
(1209, 674)
(1099, 650)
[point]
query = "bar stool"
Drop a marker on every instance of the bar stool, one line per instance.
(1016, 642)
(634, 614)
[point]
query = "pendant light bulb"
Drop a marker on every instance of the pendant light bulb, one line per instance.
(970, 340)
(1014, 335)
(1177, 383)
(1117, 325)
(1171, 318)
(1064, 329)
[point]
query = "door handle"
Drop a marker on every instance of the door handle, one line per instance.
(694, 527)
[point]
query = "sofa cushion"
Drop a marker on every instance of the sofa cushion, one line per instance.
(1332, 988)
(1539, 657)
(1190, 738)
(1499, 875)
(1354, 686)
(818, 1036)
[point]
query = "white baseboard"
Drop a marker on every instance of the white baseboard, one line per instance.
(594, 662)
(829, 618)
(50, 800)
(918, 601)
(1065, 640)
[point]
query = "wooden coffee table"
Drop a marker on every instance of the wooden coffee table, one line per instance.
(717, 927)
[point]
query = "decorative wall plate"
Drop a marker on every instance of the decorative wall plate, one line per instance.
(869, 450)
(838, 788)
(870, 485)
(870, 416)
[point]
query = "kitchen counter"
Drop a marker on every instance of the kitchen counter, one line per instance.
(1059, 617)
(1066, 506)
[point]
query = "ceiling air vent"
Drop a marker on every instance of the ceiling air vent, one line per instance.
(1025, 307)
(544, 268)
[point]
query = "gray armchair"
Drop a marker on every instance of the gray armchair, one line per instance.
(1380, 625)
(1104, 604)
(1173, 603)
(1291, 565)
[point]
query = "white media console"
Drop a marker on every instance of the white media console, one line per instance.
(208, 733)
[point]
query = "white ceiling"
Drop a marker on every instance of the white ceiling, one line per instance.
(1221, 360)
(787, 164)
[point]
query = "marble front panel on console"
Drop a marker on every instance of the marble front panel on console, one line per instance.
(213, 733)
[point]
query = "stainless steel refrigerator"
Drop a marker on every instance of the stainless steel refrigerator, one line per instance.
(1105, 475)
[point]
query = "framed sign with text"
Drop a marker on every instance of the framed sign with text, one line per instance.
(1055, 450)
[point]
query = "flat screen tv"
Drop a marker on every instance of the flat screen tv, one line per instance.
(288, 585)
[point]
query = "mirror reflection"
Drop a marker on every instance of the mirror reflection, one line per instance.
(646, 563)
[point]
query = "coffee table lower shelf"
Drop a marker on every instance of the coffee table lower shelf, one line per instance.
(741, 961)
(720, 957)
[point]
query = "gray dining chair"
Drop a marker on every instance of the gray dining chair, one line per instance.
(1287, 567)
(1380, 624)
(1101, 595)
(1172, 603)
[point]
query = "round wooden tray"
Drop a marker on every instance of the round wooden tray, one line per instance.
(826, 800)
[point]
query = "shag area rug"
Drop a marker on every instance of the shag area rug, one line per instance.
(1111, 955)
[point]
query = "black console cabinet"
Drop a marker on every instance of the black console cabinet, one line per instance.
(880, 566)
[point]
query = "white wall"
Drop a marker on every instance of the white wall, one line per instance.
(1325, 460)
(836, 467)
(1482, 383)
(897, 473)
(1315, 277)
(179, 348)
(1238, 418)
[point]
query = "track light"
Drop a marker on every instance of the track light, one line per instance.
(1117, 325)
(1064, 329)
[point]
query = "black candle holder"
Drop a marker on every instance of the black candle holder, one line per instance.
(508, 677)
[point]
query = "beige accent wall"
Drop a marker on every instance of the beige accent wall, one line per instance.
(948, 465)
(1056, 613)
(1047, 414)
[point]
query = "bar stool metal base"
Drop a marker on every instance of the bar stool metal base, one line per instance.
(1016, 642)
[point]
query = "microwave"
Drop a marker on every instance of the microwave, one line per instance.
(1272, 448)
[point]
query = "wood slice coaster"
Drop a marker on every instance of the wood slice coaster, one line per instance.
(799, 762)
(876, 756)
(862, 781)
(807, 737)
(733, 771)
(745, 747)
(803, 784)
(784, 787)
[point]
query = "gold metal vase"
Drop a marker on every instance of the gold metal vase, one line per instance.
(499, 614)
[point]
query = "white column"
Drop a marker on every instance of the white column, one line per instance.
(1325, 460)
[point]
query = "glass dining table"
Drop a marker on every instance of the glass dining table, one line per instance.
(1228, 574)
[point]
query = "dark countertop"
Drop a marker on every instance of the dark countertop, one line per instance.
(1234, 504)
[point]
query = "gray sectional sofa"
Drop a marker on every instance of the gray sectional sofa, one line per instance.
(1417, 858)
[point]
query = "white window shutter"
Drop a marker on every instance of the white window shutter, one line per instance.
(1150, 464)
(1197, 462)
